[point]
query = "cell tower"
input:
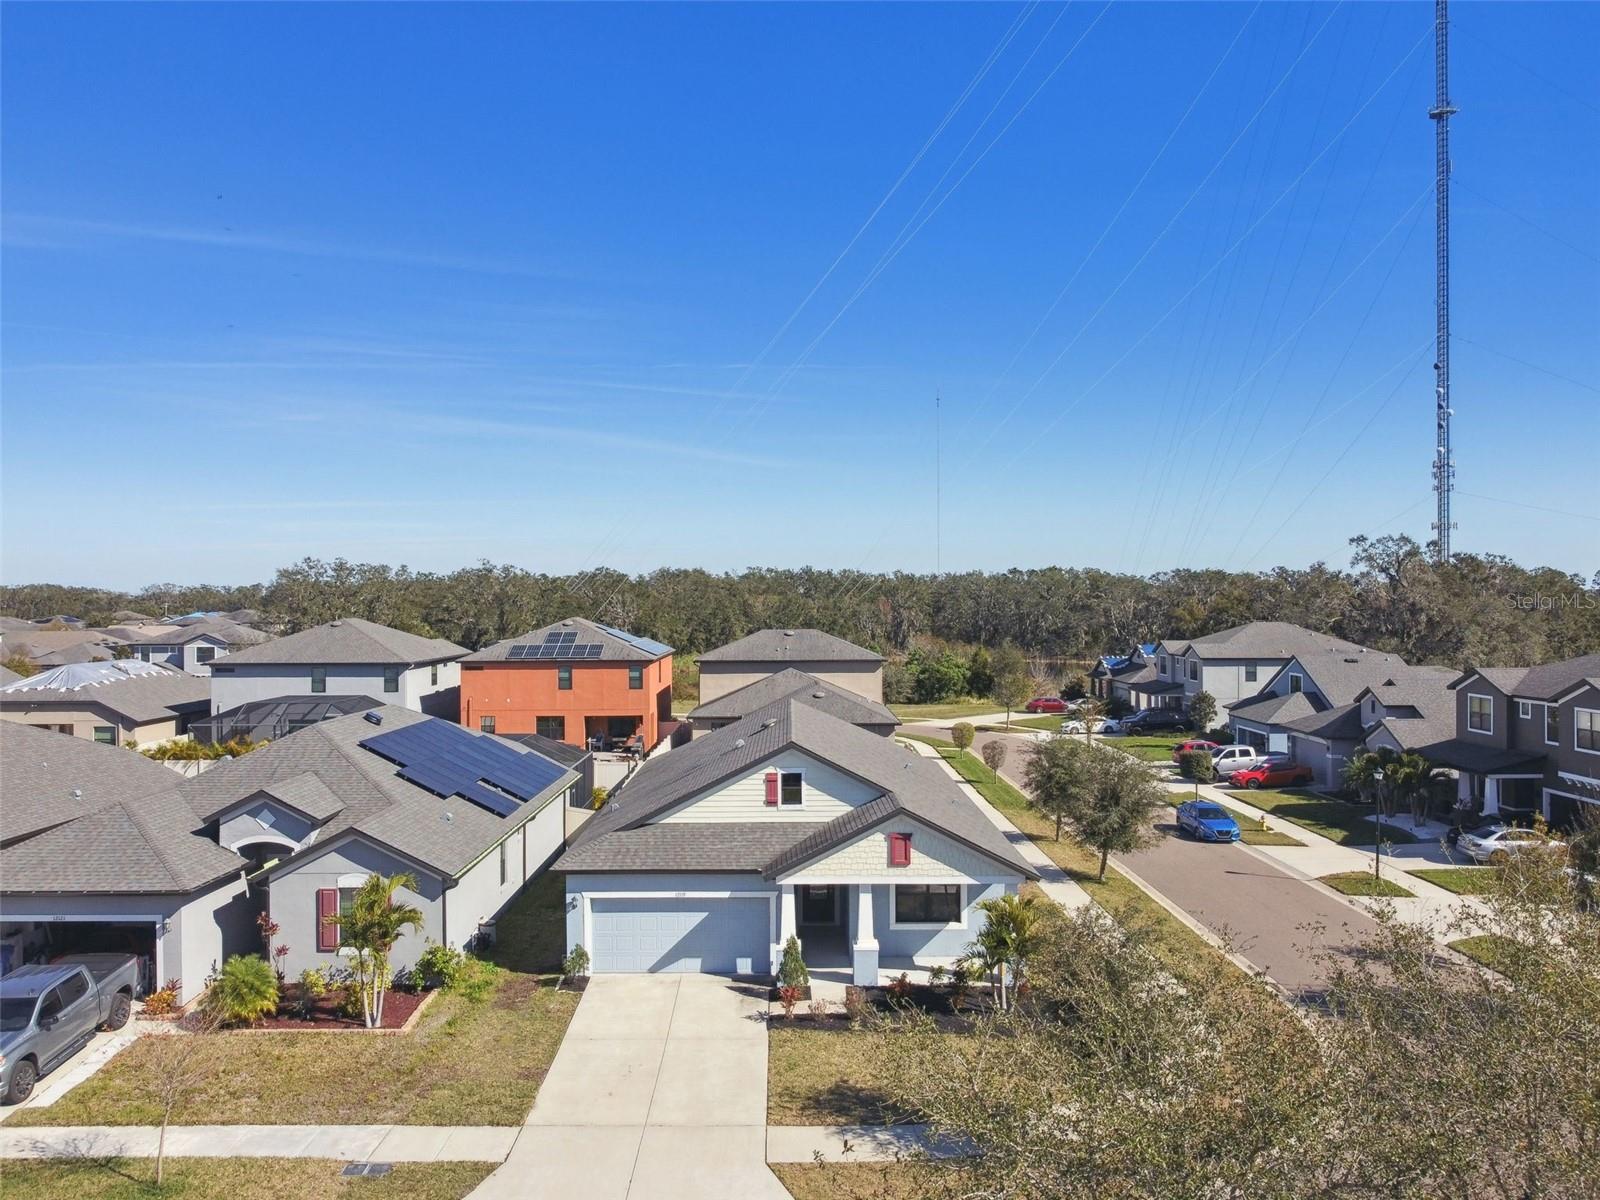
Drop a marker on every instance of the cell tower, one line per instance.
(1444, 467)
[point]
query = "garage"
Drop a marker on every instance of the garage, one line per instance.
(680, 934)
(24, 942)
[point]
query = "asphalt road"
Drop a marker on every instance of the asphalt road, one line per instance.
(1275, 921)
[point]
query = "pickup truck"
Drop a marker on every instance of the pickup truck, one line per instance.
(50, 1012)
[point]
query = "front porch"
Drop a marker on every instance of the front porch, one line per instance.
(855, 933)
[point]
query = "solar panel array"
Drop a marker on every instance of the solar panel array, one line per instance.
(556, 645)
(449, 761)
(649, 645)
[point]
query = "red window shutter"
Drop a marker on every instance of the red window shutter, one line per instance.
(327, 906)
(899, 849)
(772, 789)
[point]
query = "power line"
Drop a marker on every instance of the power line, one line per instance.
(1530, 223)
(1588, 387)
(1560, 512)
(1516, 62)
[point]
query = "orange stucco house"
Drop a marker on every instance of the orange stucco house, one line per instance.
(576, 681)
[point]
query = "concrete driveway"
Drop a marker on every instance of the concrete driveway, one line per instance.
(659, 1092)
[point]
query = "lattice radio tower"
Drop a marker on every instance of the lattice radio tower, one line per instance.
(1444, 467)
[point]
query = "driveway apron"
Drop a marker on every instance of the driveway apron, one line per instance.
(659, 1092)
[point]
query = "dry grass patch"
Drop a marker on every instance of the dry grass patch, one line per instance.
(823, 1077)
(856, 1181)
(231, 1179)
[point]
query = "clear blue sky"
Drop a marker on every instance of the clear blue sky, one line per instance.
(428, 284)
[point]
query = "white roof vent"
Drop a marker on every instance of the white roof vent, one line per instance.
(335, 624)
(788, 633)
(739, 744)
(818, 695)
(769, 722)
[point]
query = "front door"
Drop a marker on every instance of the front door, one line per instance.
(818, 905)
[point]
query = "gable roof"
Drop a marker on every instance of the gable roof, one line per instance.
(223, 631)
(1342, 722)
(1341, 676)
(616, 645)
(139, 691)
(1275, 710)
(348, 641)
(1259, 639)
(790, 645)
(324, 764)
(806, 688)
(910, 784)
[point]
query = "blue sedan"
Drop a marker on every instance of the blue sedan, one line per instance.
(1207, 821)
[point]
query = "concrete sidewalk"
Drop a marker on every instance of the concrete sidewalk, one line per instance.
(350, 1143)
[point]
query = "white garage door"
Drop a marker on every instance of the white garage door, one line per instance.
(714, 936)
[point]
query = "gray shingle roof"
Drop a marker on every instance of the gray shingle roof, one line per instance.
(687, 846)
(1260, 639)
(617, 645)
(564, 753)
(1274, 710)
(790, 645)
(808, 689)
(126, 830)
(349, 640)
(1341, 676)
(140, 691)
(225, 632)
(1549, 680)
(373, 800)
(1340, 723)
(913, 785)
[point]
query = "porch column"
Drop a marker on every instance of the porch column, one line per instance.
(1491, 796)
(864, 951)
(786, 923)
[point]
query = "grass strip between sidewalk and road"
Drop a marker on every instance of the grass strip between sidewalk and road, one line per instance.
(1363, 883)
(96, 1178)
(1336, 820)
(945, 710)
(1254, 833)
(1463, 881)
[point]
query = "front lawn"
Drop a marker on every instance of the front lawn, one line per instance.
(856, 1181)
(1153, 748)
(825, 1077)
(1344, 823)
(232, 1179)
(945, 709)
(1253, 833)
(1463, 881)
(1363, 883)
(464, 1063)
(1047, 723)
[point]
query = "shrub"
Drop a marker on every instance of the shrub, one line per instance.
(936, 975)
(597, 799)
(855, 1004)
(476, 979)
(1197, 765)
(440, 966)
(792, 971)
(313, 986)
(576, 964)
(164, 1002)
(245, 991)
(962, 733)
(994, 755)
(350, 1006)
(818, 1009)
(788, 996)
(900, 987)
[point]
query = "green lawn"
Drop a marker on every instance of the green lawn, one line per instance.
(94, 1178)
(825, 1077)
(856, 1181)
(1252, 834)
(948, 708)
(463, 1064)
(1463, 881)
(1344, 823)
(1152, 748)
(1363, 883)
(1049, 724)
(1486, 949)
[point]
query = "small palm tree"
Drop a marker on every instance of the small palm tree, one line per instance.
(246, 989)
(1008, 939)
(369, 930)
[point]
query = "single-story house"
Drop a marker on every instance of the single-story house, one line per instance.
(846, 705)
(768, 651)
(119, 702)
(100, 851)
(790, 821)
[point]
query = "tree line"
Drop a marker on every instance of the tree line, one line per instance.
(1482, 610)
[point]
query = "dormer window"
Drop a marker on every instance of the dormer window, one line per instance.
(790, 793)
(1297, 683)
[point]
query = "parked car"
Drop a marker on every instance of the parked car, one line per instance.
(1278, 770)
(1207, 821)
(1045, 704)
(1225, 760)
(1152, 720)
(1497, 843)
(49, 1013)
(1183, 748)
(1078, 725)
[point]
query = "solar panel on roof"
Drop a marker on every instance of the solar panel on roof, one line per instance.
(648, 645)
(592, 650)
(449, 761)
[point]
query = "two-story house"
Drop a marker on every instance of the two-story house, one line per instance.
(1233, 664)
(576, 681)
(1527, 739)
(347, 657)
(831, 659)
(788, 822)
(119, 703)
(193, 648)
(1107, 665)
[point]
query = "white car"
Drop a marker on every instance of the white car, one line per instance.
(1496, 843)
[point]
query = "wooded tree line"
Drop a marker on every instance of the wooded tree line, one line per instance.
(1478, 609)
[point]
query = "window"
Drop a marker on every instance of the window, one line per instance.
(1194, 669)
(485, 724)
(391, 679)
(319, 679)
(899, 849)
(72, 989)
(106, 735)
(1524, 710)
(1586, 730)
(1250, 673)
(502, 864)
(564, 678)
(1480, 714)
(1163, 661)
(790, 794)
(433, 675)
(927, 903)
(551, 727)
(1552, 725)
(635, 678)
(1297, 683)
(204, 654)
(50, 1007)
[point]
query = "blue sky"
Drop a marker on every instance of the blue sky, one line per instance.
(678, 285)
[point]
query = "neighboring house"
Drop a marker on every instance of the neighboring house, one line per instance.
(193, 648)
(111, 702)
(768, 651)
(580, 800)
(99, 851)
(575, 681)
(60, 647)
(1108, 664)
(1526, 740)
(348, 657)
(846, 705)
(7, 675)
(1133, 682)
(472, 817)
(788, 822)
(269, 720)
(1234, 664)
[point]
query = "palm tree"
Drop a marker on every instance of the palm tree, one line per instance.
(369, 930)
(1008, 939)
(1419, 782)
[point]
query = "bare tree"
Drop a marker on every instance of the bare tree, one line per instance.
(174, 1064)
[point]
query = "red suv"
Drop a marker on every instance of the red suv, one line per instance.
(1277, 771)
(1198, 744)
(1046, 704)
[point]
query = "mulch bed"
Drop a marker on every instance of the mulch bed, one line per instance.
(397, 1009)
(935, 1003)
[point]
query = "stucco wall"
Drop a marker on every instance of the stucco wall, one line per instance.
(517, 694)
(263, 821)
(479, 895)
(85, 717)
(717, 679)
(238, 684)
(927, 946)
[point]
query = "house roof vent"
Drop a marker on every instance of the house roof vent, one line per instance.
(769, 722)
(818, 695)
(335, 624)
(788, 633)
(739, 744)
(375, 717)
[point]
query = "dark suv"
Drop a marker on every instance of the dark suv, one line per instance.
(1153, 719)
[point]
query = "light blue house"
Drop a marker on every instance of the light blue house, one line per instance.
(790, 821)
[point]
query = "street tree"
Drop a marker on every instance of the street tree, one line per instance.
(994, 754)
(962, 733)
(1114, 813)
(1012, 684)
(1058, 777)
